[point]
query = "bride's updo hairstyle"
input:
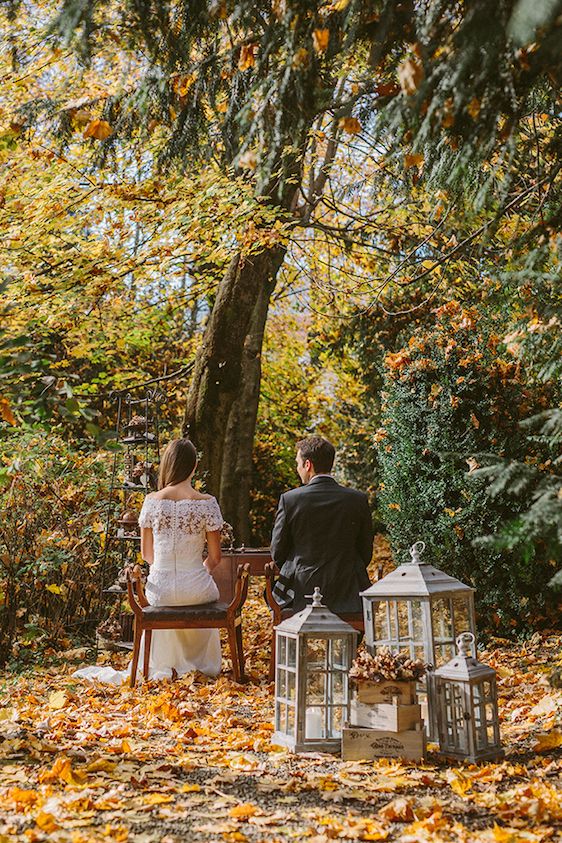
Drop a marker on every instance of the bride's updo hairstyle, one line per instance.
(177, 464)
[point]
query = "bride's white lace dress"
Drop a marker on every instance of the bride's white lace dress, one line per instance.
(177, 578)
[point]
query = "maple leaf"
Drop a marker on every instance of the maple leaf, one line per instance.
(247, 56)
(351, 125)
(6, 412)
(98, 129)
(321, 39)
(549, 740)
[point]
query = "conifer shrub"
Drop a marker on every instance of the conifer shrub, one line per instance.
(451, 394)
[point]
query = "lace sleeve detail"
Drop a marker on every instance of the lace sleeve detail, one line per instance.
(145, 516)
(213, 516)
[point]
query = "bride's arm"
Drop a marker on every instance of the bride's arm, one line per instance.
(213, 550)
(147, 545)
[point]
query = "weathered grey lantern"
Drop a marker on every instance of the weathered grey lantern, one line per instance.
(467, 707)
(419, 609)
(313, 655)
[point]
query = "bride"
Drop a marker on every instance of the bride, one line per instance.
(174, 522)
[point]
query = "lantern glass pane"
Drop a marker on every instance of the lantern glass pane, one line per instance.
(403, 621)
(417, 621)
(291, 686)
(380, 612)
(316, 653)
(314, 722)
(462, 614)
(340, 654)
(489, 713)
(442, 619)
(316, 688)
(291, 652)
(491, 738)
(290, 720)
(282, 650)
(337, 695)
(282, 717)
(281, 682)
(336, 722)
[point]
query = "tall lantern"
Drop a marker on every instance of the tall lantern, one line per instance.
(467, 707)
(314, 651)
(419, 609)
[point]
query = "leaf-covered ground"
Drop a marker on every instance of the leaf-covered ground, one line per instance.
(192, 760)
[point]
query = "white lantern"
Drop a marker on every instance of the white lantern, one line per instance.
(467, 707)
(419, 609)
(314, 652)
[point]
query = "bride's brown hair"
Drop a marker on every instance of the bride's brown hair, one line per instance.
(178, 461)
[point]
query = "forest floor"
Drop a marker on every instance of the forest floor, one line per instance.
(192, 760)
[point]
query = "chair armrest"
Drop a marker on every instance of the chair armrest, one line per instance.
(137, 601)
(240, 590)
(271, 573)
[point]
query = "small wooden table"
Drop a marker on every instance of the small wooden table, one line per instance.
(256, 557)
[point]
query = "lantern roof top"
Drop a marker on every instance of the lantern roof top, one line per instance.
(415, 579)
(316, 618)
(464, 666)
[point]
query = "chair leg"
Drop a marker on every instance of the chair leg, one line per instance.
(233, 652)
(272, 658)
(240, 648)
(147, 643)
(136, 652)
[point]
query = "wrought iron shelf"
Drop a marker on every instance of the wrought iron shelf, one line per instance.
(149, 438)
(128, 538)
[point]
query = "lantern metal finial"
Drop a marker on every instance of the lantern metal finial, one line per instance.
(316, 599)
(464, 644)
(415, 551)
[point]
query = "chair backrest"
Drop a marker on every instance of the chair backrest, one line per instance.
(225, 577)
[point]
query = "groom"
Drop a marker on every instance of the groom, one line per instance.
(323, 535)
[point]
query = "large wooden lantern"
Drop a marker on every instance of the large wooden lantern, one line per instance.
(314, 651)
(467, 707)
(418, 609)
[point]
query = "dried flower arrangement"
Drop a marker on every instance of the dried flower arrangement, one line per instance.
(385, 666)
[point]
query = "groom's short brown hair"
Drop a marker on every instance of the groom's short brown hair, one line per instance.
(319, 451)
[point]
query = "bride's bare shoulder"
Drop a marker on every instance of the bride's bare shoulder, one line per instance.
(200, 496)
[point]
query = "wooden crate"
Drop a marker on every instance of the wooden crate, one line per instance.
(387, 716)
(360, 744)
(386, 692)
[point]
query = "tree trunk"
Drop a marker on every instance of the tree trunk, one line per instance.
(236, 477)
(218, 374)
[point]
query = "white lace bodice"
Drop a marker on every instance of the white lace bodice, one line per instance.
(179, 529)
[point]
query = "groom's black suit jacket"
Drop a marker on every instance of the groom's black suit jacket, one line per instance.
(323, 536)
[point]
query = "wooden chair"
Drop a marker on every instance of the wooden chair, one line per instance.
(354, 619)
(225, 613)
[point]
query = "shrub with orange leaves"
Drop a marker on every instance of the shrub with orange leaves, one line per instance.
(453, 392)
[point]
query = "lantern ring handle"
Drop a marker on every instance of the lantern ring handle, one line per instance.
(464, 643)
(415, 550)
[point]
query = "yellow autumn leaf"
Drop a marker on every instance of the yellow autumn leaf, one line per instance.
(57, 700)
(247, 809)
(413, 159)
(320, 40)
(98, 129)
(473, 107)
(6, 412)
(460, 785)
(158, 798)
(190, 788)
(46, 822)
(247, 56)
(351, 125)
(54, 588)
(549, 740)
